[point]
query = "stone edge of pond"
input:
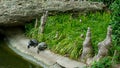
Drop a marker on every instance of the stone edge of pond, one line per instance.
(46, 58)
(27, 57)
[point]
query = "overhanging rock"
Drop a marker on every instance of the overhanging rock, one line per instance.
(17, 12)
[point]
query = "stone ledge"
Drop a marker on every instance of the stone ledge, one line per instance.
(45, 58)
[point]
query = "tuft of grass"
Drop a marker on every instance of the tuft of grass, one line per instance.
(103, 63)
(69, 30)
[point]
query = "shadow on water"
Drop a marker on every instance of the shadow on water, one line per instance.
(9, 59)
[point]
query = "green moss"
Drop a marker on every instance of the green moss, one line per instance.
(69, 31)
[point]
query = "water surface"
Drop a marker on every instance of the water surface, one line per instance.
(9, 59)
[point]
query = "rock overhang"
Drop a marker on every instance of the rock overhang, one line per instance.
(18, 12)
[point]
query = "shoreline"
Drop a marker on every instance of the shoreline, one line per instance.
(46, 58)
(26, 57)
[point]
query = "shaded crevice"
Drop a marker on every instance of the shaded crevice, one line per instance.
(2, 36)
(11, 30)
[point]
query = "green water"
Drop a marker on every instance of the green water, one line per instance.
(9, 59)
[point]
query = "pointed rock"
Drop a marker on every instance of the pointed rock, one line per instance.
(103, 46)
(87, 47)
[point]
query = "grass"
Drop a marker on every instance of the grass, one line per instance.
(69, 42)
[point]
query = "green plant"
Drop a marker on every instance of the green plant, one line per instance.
(69, 30)
(28, 28)
(103, 63)
(115, 7)
(115, 17)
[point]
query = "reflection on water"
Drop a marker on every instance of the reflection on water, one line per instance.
(8, 59)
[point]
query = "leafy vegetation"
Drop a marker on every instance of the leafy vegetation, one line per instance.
(68, 30)
(116, 21)
(114, 51)
(103, 63)
(115, 16)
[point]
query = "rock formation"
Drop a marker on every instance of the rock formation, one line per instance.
(36, 23)
(87, 47)
(17, 12)
(103, 47)
(43, 21)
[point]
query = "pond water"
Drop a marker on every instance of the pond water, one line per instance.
(9, 59)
